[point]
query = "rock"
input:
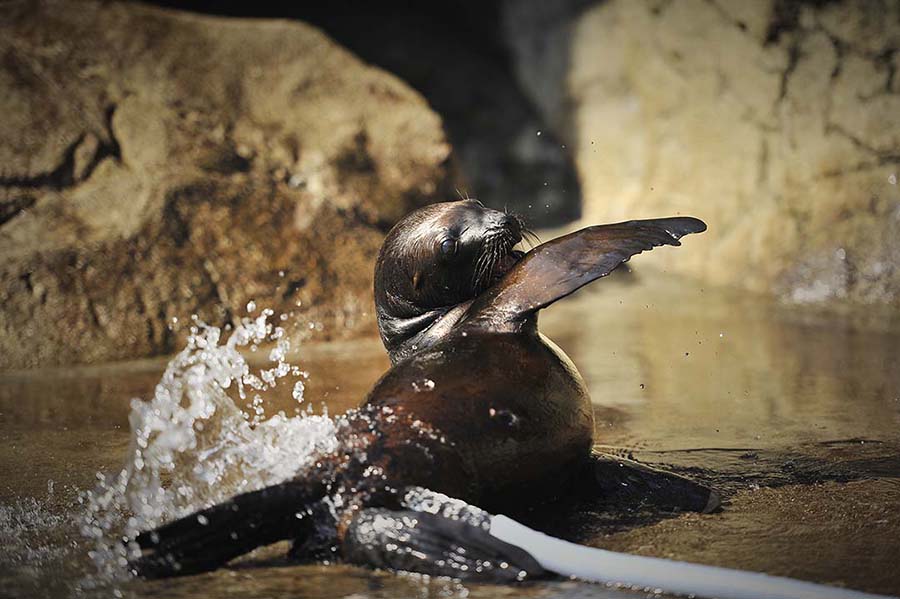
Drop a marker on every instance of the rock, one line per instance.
(155, 165)
(774, 121)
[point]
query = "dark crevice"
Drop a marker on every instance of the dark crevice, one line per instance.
(178, 228)
(840, 50)
(64, 175)
(107, 148)
(226, 161)
(293, 287)
(60, 177)
(26, 278)
(112, 147)
(786, 17)
(168, 336)
(793, 59)
(9, 209)
(356, 158)
(887, 59)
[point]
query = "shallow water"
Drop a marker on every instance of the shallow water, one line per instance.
(796, 420)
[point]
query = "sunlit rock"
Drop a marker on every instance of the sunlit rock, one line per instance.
(155, 164)
(776, 122)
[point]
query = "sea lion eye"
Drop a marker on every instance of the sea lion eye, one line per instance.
(449, 247)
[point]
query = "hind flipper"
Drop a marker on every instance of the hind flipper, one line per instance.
(436, 545)
(208, 539)
(559, 267)
(628, 482)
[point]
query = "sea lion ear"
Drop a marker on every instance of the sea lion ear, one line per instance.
(417, 280)
(555, 269)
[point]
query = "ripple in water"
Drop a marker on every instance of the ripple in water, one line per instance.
(192, 446)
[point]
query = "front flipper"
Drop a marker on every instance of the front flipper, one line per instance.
(559, 267)
(627, 482)
(436, 545)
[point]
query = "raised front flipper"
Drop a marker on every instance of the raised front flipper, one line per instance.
(557, 268)
(626, 482)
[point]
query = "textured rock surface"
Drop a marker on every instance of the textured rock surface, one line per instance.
(155, 165)
(775, 121)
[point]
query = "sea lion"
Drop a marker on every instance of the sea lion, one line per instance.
(479, 407)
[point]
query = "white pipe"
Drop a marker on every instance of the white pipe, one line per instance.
(682, 578)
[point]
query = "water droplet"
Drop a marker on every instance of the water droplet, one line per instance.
(539, 133)
(423, 385)
(297, 391)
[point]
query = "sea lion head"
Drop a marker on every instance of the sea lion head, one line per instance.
(438, 257)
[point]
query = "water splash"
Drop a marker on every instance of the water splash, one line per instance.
(27, 529)
(192, 445)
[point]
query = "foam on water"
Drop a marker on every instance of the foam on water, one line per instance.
(193, 446)
(27, 529)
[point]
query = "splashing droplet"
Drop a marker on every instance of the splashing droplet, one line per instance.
(423, 385)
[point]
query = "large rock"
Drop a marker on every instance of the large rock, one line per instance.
(154, 165)
(775, 121)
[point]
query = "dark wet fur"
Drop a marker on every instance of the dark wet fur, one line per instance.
(210, 538)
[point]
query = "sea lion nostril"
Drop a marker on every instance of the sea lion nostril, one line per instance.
(512, 223)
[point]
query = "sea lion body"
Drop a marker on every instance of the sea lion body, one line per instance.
(478, 406)
(512, 406)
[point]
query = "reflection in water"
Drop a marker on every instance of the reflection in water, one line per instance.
(729, 387)
(693, 368)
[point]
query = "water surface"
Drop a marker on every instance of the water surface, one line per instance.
(796, 420)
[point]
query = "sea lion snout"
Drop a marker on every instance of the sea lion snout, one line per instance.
(513, 224)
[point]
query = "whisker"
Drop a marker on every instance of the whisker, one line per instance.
(497, 244)
(531, 237)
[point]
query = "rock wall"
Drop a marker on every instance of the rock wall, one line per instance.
(154, 165)
(776, 121)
